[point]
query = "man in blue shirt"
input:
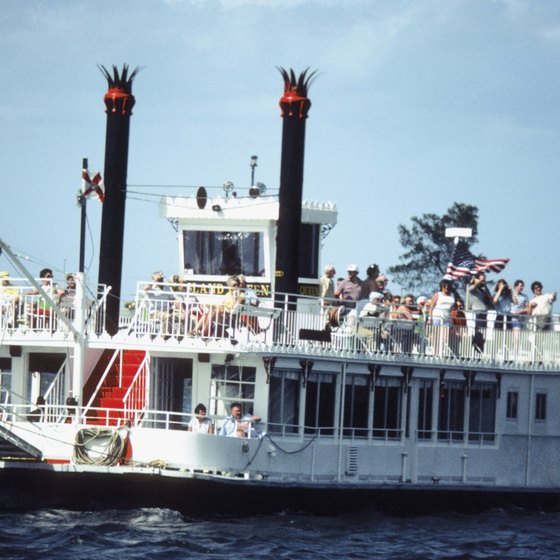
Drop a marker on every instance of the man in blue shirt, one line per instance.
(238, 425)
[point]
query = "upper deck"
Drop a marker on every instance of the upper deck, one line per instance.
(191, 318)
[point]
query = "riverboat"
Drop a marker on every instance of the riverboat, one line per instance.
(346, 411)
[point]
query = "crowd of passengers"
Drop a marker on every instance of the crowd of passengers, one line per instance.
(237, 424)
(350, 298)
(196, 319)
(28, 306)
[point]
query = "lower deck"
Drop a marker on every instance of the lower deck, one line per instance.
(324, 422)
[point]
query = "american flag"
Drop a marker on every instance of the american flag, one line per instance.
(464, 263)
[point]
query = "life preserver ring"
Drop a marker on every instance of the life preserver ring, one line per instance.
(334, 318)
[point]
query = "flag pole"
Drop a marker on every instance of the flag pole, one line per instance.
(82, 200)
(456, 233)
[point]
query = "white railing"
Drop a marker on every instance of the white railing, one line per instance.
(177, 312)
(23, 310)
(279, 327)
(54, 395)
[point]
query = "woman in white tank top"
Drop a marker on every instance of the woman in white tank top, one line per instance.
(442, 304)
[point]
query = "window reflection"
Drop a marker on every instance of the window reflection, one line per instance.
(223, 253)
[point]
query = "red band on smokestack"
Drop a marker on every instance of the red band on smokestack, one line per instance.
(295, 92)
(117, 98)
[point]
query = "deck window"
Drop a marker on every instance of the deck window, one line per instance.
(309, 244)
(232, 384)
(511, 405)
(356, 402)
(44, 370)
(482, 414)
(387, 408)
(219, 253)
(172, 389)
(283, 402)
(5, 377)
(320, 404)
(425, 409)
(540, 406)
(451, 411)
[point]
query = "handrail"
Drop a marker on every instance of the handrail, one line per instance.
(96, 305)
(56, 388)
(134, 390)
(102, 380)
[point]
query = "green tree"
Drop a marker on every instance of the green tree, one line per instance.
(427, 250)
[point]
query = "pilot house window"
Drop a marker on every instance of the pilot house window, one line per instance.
(309, 244)
(219, 253)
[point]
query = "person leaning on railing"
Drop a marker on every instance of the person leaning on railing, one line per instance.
(504, 298)
(9, 300)
(238, 424)
(541, 306)
(479, 299)
(160, 302)
(217, 317)
(442, 303)
(441, 307)
(520, 310)
(200, 423)
(248, 296)
(41, 310)
(38, 415)
(405, 323)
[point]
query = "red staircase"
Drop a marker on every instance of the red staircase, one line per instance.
(115, 386)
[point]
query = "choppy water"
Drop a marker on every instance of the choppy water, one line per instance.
(157, 534)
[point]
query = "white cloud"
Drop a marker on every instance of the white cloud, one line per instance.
(235, 4)
(551, 33)
(515, 7)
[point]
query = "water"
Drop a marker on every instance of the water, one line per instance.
(164, 534)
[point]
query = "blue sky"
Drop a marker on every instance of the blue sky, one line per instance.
(418, 104)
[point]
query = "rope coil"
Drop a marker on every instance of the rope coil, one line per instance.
(113, 441)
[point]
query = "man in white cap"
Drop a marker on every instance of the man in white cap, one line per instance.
(422, 306)
(349, 290)
(375, 307)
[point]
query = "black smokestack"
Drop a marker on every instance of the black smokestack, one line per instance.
(295, 106)
(119, 102)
